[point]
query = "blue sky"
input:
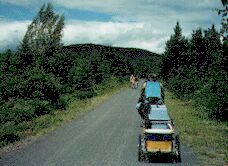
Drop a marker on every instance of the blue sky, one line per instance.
(145, 24)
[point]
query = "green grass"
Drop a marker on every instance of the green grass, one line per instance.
(207, 138)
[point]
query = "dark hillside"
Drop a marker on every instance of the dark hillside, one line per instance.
(128, 52)
(139, 61)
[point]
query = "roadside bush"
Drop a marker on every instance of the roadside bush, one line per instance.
(42, 107)
(25, 110)
(84, 94)
(80, 76)
(213, 98)
(66, 99)
(8, 134)
(66, 88)
(5, 114)
(22, 111)
(61, 104)
(42, 86)
(17, 111)
(109, 83)
(98, 88)
(11, 86)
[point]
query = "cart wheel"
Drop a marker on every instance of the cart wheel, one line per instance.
(178, 155)
(139, 149)
(139, 155)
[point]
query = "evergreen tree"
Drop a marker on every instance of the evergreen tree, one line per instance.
(175, 55)
(198, 52)
(213, 50)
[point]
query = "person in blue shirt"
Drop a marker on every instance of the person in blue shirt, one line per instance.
(151, 93)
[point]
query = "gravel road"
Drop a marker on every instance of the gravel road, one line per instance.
(106, 136)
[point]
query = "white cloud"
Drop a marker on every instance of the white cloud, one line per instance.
(139, 35)
(12, 33)
(162, 15)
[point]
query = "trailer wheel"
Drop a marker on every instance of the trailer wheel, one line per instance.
(178, 155)
(140, 152)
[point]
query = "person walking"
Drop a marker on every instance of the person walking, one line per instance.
(132, 81)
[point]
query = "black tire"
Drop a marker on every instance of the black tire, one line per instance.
(139, 155)
(178, 156)
(139, 148)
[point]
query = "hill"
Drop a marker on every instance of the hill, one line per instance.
(128, 52)
(140, 61)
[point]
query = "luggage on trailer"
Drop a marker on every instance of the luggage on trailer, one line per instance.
(159, 135)
(159, 112)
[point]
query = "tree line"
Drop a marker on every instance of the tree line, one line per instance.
(196, 69)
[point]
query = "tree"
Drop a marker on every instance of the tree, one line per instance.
(213, 50)
(175, 55)
(43, 37)
(198, 52)
(224, 24)
(80, 75)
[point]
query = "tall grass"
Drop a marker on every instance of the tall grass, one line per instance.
(207, 138)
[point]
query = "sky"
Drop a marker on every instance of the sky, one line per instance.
(145, 24)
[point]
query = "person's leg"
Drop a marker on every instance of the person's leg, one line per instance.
(147, 111)
(141, 113)
(141, 110)
(134, 84)
(163, 95)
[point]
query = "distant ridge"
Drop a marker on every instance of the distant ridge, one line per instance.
(128, 52)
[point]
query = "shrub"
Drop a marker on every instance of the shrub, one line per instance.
(41, 85)
(17, 111)
(8, 134)
(108, 84)
(5, 114)
(214, 98)
(42, 107)
(80, 76)
(23, 111)
(84, 94)
(61, 103)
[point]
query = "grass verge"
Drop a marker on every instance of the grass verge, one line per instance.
(207, 138)
(49, 122)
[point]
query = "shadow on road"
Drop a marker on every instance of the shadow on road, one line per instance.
(159, 159)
